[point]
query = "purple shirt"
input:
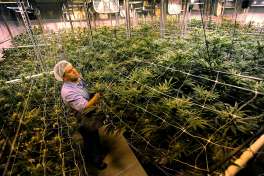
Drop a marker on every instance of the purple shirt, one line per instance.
(75, 95)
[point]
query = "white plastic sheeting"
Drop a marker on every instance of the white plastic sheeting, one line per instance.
(122, 13)
(132, 12)
(106, 6)
(174, 7)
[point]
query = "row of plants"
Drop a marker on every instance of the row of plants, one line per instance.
(183, 102)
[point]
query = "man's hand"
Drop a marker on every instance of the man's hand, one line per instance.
(97, 96)
(93, 101)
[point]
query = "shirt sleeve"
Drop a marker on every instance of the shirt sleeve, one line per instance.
(74, 100)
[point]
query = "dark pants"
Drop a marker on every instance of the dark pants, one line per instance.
(89, 129)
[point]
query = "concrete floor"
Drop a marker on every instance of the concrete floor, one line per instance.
(120, 159)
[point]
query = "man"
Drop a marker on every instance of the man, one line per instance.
(75, 95)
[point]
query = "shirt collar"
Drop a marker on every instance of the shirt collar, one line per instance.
(72, 84)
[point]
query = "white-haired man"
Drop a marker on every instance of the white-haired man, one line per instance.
(75, 95)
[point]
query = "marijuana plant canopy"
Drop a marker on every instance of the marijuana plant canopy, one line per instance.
(189, 99)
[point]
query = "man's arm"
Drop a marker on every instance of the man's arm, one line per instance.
(77, 102)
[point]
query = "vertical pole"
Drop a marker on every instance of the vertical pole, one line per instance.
(72, 11)
(37, 13)
(235, 12)
(187, 17)
(80, 16)
(63, 19)
(88, 19)
(131, 15)
(128, 25)
(211, 11)
(68, 13)
(135, 17)
(190, 7)
(210, 7)
(186, 5)
(165, 11)
(115, 26)
(111, 19)
(206, 7)
(222, 11)
(117, 19)
(86, 14)
(145, 16)
(94, 20)
(162, 23)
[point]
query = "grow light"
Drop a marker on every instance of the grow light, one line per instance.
(12, 8)
(8, 2)
(106, 6)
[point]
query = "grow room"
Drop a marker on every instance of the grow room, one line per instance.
(181, 86)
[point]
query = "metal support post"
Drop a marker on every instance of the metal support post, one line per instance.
(39, 19)
(117, 19)
(110, 15)
(68, 13)
(128, 25)
(185, 14)
(162, 21)
(88, 19)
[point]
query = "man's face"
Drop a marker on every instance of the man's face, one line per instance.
(71, 74)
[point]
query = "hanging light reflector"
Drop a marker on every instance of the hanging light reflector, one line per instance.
(106, 6)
